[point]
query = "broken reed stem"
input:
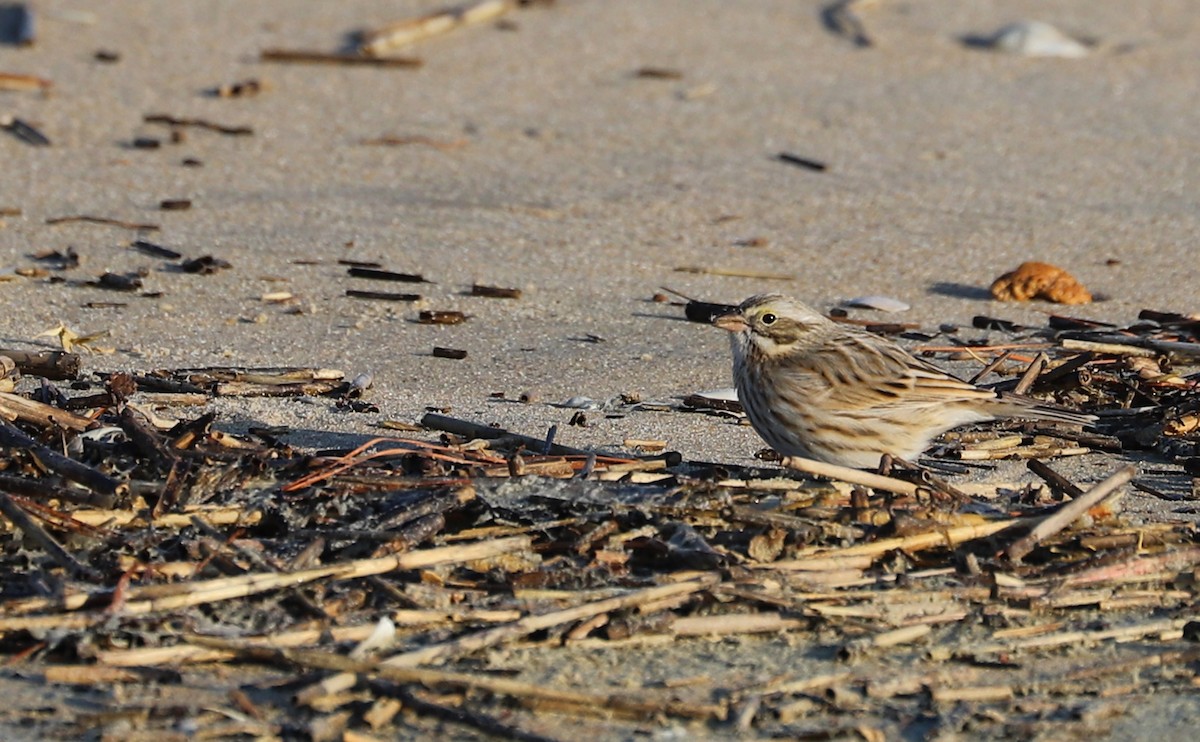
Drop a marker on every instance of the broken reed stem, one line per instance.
(949, 538)
(382, 41)
(1136, 631)
(853, 476)
(1068, 513)
(154, 598)
(904, 635)
(515, 630)
(14, 406)
(1031, 374)
(1057, 482)
(1109, 348)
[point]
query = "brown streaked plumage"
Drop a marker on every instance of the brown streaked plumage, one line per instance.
(814, 388)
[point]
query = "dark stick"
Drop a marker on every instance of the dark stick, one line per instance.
(302, 56)
(495, 292)
(157, 251)
(162, 118)
(51, 364)
(381, 295)
(40, 489)
(1057, 482)
(382, 275)
(146, 438)
(25, 132)
(103, 220)
(995, 364)
(97, 481)
(469, 429)
(804, 162)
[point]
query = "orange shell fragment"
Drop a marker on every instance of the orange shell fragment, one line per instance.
(1033, 280)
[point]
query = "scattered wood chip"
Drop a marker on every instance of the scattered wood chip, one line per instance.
(305, 56)
(495, 292)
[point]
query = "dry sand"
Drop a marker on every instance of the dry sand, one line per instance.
(589, 187)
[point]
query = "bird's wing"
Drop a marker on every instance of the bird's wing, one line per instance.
(858, 372)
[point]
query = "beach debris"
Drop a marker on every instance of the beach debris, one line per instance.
(9, 374)
(55, 365)
(242, 89)
(880, 303)
(304, 56)
(807, 163)
(383, 41)
(1034, 280)
(378, 274)
(61, 260)
(381, 295)
(756, 241)
(1036, 39)
(495, 292)
(735, 272)
(17, 82)
(657, 73)
(406, 573)
(196, 123)
(842, 19)
(726, 394)
(21, 24)
(131, 281)
(579, 402)
(155, 250)
(69, 340)
(175, 204)
(277, 297)
(103, 220)
(441, 317)
(445, 145)
(24, 131)
(721, 402)
(452, 353)
(205, 265)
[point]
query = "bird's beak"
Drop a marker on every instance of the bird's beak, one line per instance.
(734, 322)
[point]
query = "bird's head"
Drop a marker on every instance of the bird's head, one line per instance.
(774, 324)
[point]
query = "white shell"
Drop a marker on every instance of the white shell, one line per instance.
(1037, 39)
(581, 403)
(882, 303)
(382, 637)
(725, 395)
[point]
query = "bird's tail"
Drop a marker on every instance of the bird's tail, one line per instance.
(1031, 409)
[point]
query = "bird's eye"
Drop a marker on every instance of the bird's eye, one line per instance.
(768, 319)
